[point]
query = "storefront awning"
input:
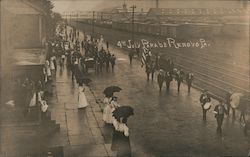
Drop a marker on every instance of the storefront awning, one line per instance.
(29, 57)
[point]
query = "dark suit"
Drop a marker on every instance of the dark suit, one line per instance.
(221, 110)
(189, 80)
(168, 79)
(148, 71)
(179, 78)
(160, 80)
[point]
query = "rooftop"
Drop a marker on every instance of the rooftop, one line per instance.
(21, 7)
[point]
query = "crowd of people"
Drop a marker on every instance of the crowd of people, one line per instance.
(94, 57)
(167, 72)
(78, 55)
(29, 92)
(79, 52)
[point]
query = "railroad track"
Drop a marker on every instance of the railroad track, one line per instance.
(214, 85)
(212, 76)
(224, 70)
(222, 62)
(218, 68)
(242, 80)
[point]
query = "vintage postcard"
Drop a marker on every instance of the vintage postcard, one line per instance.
(124, 78)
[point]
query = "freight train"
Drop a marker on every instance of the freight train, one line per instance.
(178, 30)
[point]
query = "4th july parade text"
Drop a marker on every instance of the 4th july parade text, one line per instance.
(169, 42)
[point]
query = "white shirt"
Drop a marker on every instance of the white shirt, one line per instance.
(121, 127)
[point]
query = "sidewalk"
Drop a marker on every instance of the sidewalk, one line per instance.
(82, 132)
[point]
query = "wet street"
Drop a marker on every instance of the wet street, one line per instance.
(168, 124)
(164, 124)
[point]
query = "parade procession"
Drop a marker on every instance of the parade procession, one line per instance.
(125, 78)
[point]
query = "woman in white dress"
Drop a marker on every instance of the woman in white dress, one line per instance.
(82, 101)
(111, 104)
(47, 67)
(106, 110)
(52, 66)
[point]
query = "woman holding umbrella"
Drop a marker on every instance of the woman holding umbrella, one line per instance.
(120, 141)
(111, 105)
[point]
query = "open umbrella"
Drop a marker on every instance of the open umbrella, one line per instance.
(85, 81)
(110, 90)
(123, 112)
(235, 99)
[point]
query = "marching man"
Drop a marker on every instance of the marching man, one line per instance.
(219, 111)
(205, 98)
(189, 79)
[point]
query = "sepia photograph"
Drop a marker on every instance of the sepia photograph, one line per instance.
(124, 78)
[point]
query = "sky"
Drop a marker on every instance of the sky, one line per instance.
(97, 5)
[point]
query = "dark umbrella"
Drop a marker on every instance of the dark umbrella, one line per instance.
(123, 112)
(110, 90)
(85, 81)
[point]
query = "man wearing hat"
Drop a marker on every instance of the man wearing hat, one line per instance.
(160, 78)
(168, 79)
(219, 111)
(189, 80)
(204, 98)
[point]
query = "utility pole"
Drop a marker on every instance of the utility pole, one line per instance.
(157, 4)
(77, 24)
(93, 20)
(76, 18)
(69, 17)
(133, 21)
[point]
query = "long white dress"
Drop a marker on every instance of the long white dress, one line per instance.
(52, 66)
(82, 101)
(47, 66)
(108, 109)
